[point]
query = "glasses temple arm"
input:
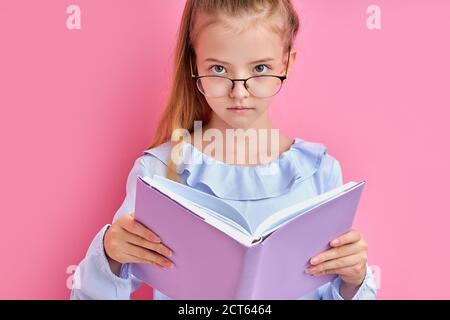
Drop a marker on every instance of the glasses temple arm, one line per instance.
(289, 57)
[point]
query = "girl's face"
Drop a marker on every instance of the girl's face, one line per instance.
(255, 51)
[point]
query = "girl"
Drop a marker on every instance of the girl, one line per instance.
(232, 57)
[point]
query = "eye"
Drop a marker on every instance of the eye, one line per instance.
(258, 68)
(216, 68)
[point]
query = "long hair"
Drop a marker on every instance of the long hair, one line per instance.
(186, 104)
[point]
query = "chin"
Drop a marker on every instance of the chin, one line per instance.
(239, 121)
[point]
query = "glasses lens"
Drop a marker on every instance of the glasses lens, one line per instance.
(260, 87)
(214, 87)
(264, 86)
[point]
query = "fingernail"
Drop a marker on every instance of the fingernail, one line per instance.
(315, 260)
(335, 242)
(156, 239)
(312, 270)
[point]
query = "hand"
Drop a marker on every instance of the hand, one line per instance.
(128, 241)
(347, 258)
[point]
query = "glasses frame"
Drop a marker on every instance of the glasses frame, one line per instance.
(282, 78)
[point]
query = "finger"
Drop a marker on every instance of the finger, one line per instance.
(335, 253)
(133, 259)
(346, 238)
(139, 241)
(335, 264)
(137, 228)
(345, 272)
(146, 254)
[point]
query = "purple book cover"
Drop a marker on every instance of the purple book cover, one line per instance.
(210, 264)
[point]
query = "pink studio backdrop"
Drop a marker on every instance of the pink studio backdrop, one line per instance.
(79, 106)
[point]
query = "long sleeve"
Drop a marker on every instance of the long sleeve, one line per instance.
(330, 291)
(93, 279)
(367, 290)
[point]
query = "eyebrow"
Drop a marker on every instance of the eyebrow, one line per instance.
(253, 62)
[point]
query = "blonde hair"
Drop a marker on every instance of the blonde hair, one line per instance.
(186, 104)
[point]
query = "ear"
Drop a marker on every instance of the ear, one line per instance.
(292, 59)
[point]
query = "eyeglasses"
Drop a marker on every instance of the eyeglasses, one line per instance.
(264, 86)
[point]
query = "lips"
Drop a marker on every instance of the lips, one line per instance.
(239, 108)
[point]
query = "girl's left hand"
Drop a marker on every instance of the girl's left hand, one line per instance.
(347, 258)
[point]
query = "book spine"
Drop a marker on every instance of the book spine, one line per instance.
(249, 275)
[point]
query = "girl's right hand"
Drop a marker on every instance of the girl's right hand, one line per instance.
(128, 241)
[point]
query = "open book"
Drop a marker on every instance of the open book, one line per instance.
(217, 254)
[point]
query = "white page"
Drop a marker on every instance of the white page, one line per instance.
(223, 224)
(209, 204)
(204, 204)
(215, 205)
(287, 214)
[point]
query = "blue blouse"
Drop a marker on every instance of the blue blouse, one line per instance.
(303, 171)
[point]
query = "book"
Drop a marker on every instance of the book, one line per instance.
(216, 253)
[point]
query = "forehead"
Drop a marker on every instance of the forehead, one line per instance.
(236, 43)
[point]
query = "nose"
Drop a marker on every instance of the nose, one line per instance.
(239, 90)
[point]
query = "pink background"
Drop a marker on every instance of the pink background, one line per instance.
(79, 106)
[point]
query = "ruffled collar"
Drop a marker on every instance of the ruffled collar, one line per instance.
(235, 182)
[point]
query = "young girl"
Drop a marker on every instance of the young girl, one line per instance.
(231, 58)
